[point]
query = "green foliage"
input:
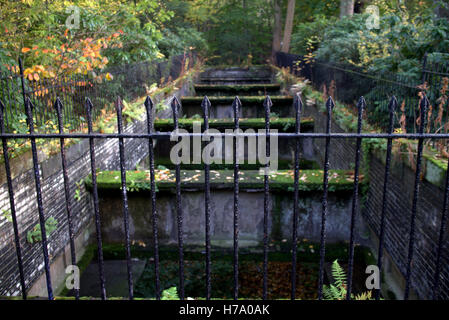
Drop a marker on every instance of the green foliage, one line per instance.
(308, 35)
(337, 290)
(77, 195)
(170, 294)
(7, 214)
(180, 40)
(240, 32)
(34, 235)
(397, 46)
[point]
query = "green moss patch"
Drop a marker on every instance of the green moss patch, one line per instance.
(282, 164)
(281, 124)
(246, 100)
(238, 87)
(282, 180)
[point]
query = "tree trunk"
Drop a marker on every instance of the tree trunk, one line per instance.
(288, 26)
(346, 8)
(277, 29)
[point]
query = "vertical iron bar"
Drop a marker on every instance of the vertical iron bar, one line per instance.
(424, 103)
(329, 106)
(267, 105)
(40, 207)
(12, 204)
(206, 107)
(149, 108)
(436, 284)
(391, 107)
(96, 204)
(236, 106)
(175, 105)
(355, 200)
(124, 197)
(68, 203)
(29, 114)
(298, 109)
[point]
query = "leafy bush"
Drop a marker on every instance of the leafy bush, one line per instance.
(308, 36)
(397, 46)
(180, 40)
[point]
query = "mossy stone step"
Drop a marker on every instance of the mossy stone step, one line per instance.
(281, 180)
(237, 89)
(245, 100)
(283, 164)
(281, 124)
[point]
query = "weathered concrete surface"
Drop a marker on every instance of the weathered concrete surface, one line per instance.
(251, 205)
(59, 265)
(237, 75)
(116, 278)
(225, 110)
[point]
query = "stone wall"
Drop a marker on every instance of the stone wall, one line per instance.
(78, 160)
(251, 206)
(400, 195)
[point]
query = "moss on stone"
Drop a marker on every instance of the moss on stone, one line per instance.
(237, 87)
(282, 180)
(246, 100)
(282, 165)
(281, 124)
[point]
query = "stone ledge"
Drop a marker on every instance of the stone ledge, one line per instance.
(245, 100)
(193, 180)
(282, 124)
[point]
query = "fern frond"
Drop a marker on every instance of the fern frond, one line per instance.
(339, 274)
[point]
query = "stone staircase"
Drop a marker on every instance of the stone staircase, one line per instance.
(221, 86)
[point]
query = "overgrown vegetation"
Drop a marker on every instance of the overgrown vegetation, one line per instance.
(35, 235)
(338, 289)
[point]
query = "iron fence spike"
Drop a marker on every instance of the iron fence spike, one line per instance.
(393, 104)
(89, 105)
(267, 102)
(298, 103)
(330, 103)
(148, 104)
(205, 105)
(118, 104)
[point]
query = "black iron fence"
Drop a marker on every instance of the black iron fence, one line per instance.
(127, 81)
(60, 112)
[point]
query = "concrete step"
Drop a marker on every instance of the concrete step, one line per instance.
(252, 106)
(237, 90)
(237, 75)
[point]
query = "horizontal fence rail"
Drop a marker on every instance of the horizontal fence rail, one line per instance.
(89, 109)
